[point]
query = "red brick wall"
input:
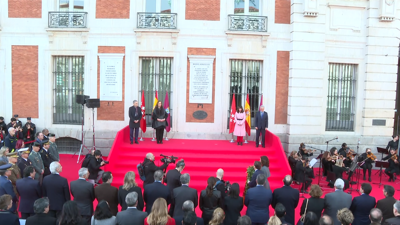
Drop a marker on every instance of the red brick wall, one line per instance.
(24, 8)
(203, 10)
(282, 11)
(115, 9)
(25, 71)
(192, 107)
(282, 87)
(110, 110)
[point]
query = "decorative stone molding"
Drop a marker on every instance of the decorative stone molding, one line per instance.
(346, 17)
(83, 32)
(141, 32)
(387, 10)
(263, 36)
(311, 8)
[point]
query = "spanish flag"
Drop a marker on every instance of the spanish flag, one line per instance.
(155, 100)
(248, 115)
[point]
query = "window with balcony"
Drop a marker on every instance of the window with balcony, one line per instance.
(247, 16)
(70, 14)
(157, 15)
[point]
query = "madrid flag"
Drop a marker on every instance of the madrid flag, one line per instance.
(248, 115)
(232, 116)
(143, 108)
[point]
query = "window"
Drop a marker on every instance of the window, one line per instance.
(68, 76)
(68, 145)
(341, 90)
(155, 75)
(71, 5)
(247, 7)
(245, 78)
(158, 6)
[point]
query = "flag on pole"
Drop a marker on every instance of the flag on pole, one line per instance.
(261, 102)
(232, 116)
(143, 109)
(166, 107)
(248, 115)
(155, 100)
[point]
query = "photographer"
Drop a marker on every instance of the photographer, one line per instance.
(150, 168)
(95, 162)
(29, 130)
(19, 134)
(220, 185)
(173, 176)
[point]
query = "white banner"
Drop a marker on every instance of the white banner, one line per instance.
(111, 77)
(201, 79)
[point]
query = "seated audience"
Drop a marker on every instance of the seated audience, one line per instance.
(233, 205)
(7, 217)
(70, 215)
(3, 154)
(131, 215)
(396, 212)
(83, 193)
(337, 200)
(210, 199)
(386, 204)
(41, 216)
(288, 196)
(182, 194)
(156, 190)
(29, 191)
(258, 200)
(362, 205)
(159, 214)
(325, 220)
(218, 217)
(314, 204)
(190, 218)
(311, 219)
(129, 186)
(244, 220)
(103, 215)
(345, 217)
(108, 193)
(280, 212)
(188, 206)
(375, 216)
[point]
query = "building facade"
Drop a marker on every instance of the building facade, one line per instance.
(323, 68)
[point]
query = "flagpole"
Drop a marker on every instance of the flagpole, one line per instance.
(141, 136)
(232, 139)
(166, 138)
(153, 136)
(245, 141)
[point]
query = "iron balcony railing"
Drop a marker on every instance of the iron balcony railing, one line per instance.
(67, 19)
(156, 20)
(247, 23)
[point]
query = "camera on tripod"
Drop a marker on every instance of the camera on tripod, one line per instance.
(168, 159)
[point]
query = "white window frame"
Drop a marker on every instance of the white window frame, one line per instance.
(158, 6)
(71, 6)
(246, 7)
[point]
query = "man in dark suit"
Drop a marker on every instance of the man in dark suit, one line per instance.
(396, 212)
(173, 176)
(220, 185)
(94, 165)
(131, 216)
(362, 205)
(56, 188)
(336, 200)
(280, 212)
(23, 161)
(386, 204)
(45, 154)
(156, 190)
(41, 217)
(375, 215)
(188, 206)
(29, 191)
(83, 193)
(150, 168)
(257, 168)
(261, 126)
(257, 201)
(135, 115)
(107, 192)
(7, 217)
(288, 197)
(5, 185)
(182, 194)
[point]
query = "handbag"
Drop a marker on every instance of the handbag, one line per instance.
(301, 220)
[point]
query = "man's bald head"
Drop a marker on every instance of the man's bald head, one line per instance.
(325, 220)
(220, 173)
(375, 215)
(287, 181)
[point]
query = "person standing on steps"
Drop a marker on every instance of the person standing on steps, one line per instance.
(261, 126)
(240, 128)
(135, 115)
(159, 122)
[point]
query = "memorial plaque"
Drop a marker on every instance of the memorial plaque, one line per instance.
(111, 77)
(200, 114)
(201, 79)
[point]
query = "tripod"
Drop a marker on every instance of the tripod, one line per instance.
(83, 146)
(381, 164)
(354, 168)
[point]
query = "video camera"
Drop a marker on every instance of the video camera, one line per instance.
(168, 159)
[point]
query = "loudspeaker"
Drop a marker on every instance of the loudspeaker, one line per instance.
(93, 103)
(81, 99)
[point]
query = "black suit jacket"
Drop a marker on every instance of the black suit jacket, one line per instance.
(261, 123)
(233, 207)
(173, 179)
(83, 193)
(180, 195)
(360, 207)
(393, 221)
(29, 191)
(179, 219)
(133, 115)
(41, 219)
(289, 197)
(153, 191)
(9, 218)
(22, 164)
(149, 169)
(386, 206)
(253, 181)
(46, 161)
(93, 167)
(56, 188)
(108, 193)
(315, 205)
(122, 193)
(131, 216)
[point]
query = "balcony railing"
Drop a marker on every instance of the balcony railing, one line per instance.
(156, 20)
(247, 23)
(67, 19)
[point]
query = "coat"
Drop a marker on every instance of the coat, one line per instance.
(10, 142)
(122, 193)
(180, 195)
(22, 164)
(261, 123)
(53, 152)
(209, 204)
(7, 188)
(173, 179)
(135, 113)
(232, 208)
(149, 169)
(131, 216)
(46, 161)
(56, 188)
(253, 181)
(9, 218)
(360, 207)
(156, 124)
(41, 219)
(153, 191)
(315, 205)
(386, 206)
(179, 219)
(334, 202)
(83, 193)
(267, 173)
(258, 200)
(108, 193)
(240, 124)
(37, 163)
(30, 191)
(289, 197)
(93, 167)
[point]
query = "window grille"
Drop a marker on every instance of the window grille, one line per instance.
(245, 78)
(68, 145)
(341, 97)
(68, 73)
(155, 75)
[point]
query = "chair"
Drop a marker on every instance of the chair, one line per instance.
(331, 178)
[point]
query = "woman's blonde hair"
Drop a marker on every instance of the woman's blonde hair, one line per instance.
(274, 220)
(129, 181)
(218, 217)
(159, 213)
(3, 150)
